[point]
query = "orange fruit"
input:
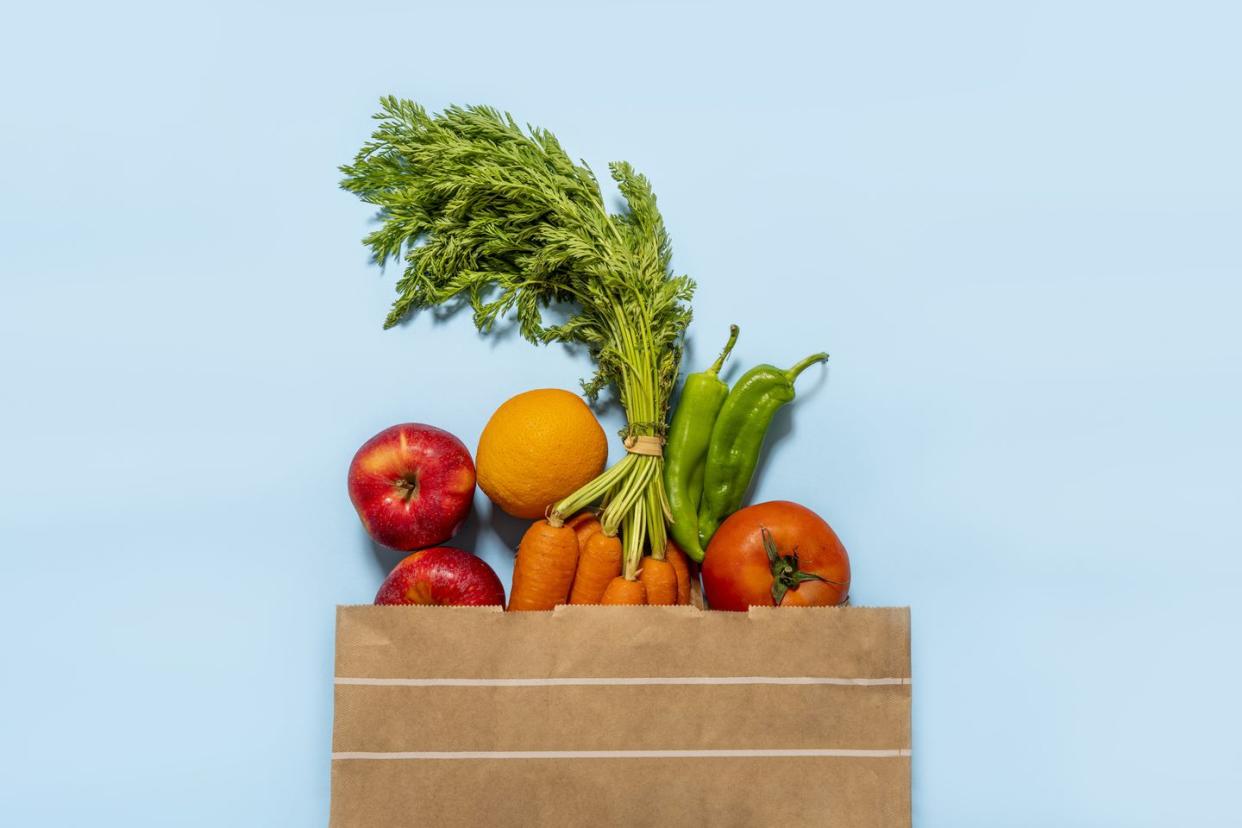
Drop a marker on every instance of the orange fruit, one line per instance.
(537, 448)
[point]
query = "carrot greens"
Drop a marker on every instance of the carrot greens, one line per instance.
(486, 213)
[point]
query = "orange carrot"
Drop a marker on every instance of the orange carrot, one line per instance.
(544, 569)
(584, 525)
(660, 579)
(621, 591)
(681, 566)
(598, 563)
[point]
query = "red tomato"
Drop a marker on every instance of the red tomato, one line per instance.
(775, 549)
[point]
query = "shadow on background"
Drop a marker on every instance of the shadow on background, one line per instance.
(484, 518)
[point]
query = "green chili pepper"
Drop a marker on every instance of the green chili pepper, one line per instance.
(737, 437)
(685, 451)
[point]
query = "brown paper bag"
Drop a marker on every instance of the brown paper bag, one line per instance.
(603, 716)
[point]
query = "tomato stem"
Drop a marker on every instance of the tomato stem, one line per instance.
(785, 572)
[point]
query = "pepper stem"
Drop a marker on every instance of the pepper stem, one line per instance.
(716, 366)
(793, 372)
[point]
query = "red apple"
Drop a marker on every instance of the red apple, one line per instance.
(412, 485)
(442, 576)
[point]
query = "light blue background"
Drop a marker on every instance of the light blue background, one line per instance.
(1015, 226)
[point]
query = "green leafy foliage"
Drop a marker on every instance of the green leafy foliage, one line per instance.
(484, 212)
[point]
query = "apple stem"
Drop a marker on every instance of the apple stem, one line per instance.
(408, 486)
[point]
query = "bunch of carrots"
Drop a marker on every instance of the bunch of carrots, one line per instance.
(577, 562)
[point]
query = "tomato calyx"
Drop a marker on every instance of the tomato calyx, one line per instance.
(785, 572)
